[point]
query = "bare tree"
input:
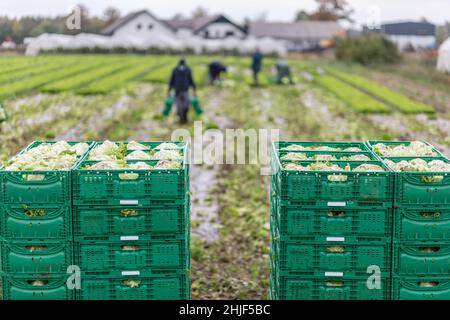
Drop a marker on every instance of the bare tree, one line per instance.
(301, 15)
(111, 14)
(199, 12)
(332, 10)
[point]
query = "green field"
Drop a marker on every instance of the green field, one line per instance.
(98, 97)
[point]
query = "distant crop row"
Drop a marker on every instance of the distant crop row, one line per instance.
(160, 74)
(100, 74)
(200, 74)
(30, 83)
(115, 80)
(33, 70)
(382, 93)
(83, 78)
(15, 66)
(353, 97)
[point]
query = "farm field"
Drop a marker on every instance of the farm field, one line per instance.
(120, 98)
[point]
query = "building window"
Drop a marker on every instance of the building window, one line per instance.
(206, 34)
(229, 34)
(139, 26)
(150, 26)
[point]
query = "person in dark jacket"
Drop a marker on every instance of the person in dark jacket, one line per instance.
(216, 68)
(283, 72)
(180, 82)
(257, 61)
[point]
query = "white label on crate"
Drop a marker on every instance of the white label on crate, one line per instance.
(129, 202)
(131, 273)
(334, 274)
(129, 238)
(337, 204)
(336, 239)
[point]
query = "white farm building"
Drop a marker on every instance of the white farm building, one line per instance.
(142, 30)
(411, 35)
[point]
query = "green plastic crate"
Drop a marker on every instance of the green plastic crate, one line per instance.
(53, 188)
(372, 143)
(318, 224)
(154, 221)
(418, 188)
(320, 188)
(148, 187)
(421, 288)
(36, 288)
(422, 224)
(36, 257)
(329, 288)
(318, 259)
(272, 288)
(162, 287)
(426, 258)
(104, 257)
(36, 222)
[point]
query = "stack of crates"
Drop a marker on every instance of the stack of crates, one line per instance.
(36, 245)
(421, 234)
(131, 230)
(331, 231)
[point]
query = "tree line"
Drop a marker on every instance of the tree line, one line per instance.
(17, 29)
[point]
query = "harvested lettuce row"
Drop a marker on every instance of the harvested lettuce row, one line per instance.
(136, 146)
(327, 166)
(166, 145)
(59, 156)
(138, 155)
(167, 155)
(414, 149)
(108, 151)
(418, 165)
(295, 156)
(296, 147)
(123, 165)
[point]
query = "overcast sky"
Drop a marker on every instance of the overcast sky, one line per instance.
(437, 11)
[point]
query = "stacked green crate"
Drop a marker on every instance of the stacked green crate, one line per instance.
(330, 229)
(36, 221)
(421, 237)
(131, 221)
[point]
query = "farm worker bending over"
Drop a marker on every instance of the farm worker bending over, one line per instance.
(216, 68)
(283, 72)
(180, 81)
(257, 60)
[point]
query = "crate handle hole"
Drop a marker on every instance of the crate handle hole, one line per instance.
(33, 177)
(432, 179)
(130, 248)
(129, 213)
(335, 283)
(428, 284)
(37, 283)
(35, 213)
(336, 213)
(131, 283)
(128, 176)
(36, 248)
(429, 249)
(436, 214)
(336, 249)
(337, 178)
